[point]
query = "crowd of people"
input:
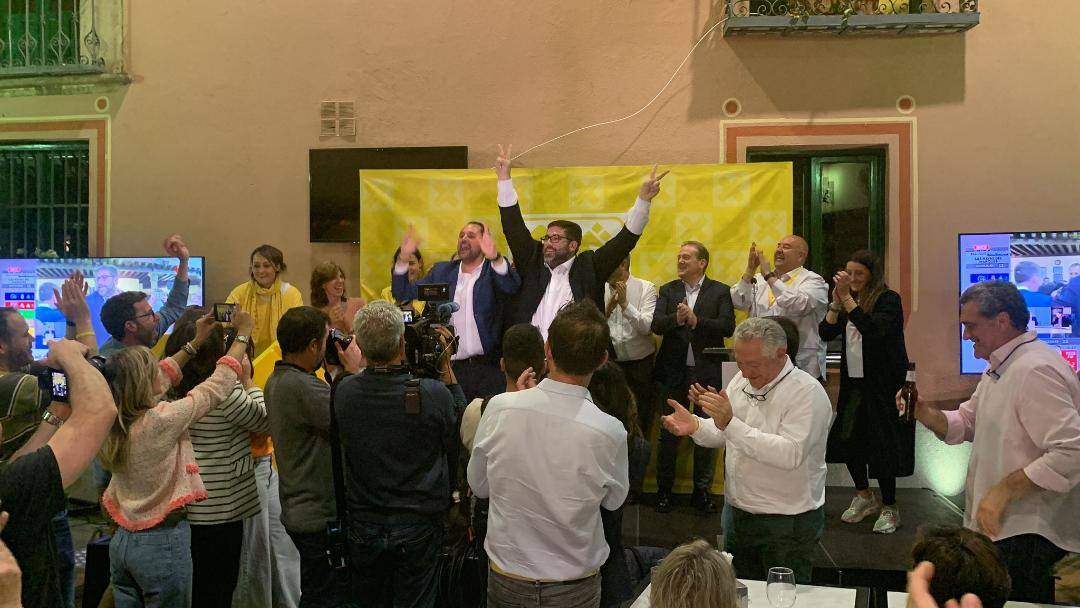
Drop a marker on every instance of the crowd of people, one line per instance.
(331, 485)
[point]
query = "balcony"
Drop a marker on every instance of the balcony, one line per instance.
(60, 46)
(849, 17)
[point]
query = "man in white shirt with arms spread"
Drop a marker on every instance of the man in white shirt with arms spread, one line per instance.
(773, 418)
(790, 291)
(1021, 488)
(548, 458)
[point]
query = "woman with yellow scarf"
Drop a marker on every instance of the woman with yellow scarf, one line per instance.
(266, 296)
(269, 562)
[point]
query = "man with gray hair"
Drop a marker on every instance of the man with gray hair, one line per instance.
(1024, 427)
(396, 432)
(773, 418)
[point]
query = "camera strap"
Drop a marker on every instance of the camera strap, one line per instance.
(335, 451)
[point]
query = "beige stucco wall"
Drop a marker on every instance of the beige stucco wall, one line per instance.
(211, 138)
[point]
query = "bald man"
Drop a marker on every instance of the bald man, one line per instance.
(789, 291)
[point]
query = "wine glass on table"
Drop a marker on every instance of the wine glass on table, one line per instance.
(780, 587)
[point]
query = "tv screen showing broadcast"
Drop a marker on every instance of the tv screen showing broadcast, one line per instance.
(1045, 267)
(28, 284)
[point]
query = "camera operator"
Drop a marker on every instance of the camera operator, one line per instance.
(32, 482)
(395, 435)
(298, 404)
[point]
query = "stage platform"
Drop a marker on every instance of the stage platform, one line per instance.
(849, 555)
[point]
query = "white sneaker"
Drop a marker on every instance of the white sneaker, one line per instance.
(860, 508)
(888, 521)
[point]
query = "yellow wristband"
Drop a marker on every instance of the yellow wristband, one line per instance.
(79, 336)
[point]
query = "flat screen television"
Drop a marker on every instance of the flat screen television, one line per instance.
(1045, 266)
(27, 285)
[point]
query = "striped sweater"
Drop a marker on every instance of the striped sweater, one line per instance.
(223, 451)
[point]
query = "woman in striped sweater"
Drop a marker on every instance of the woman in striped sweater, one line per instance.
(223, 452)
(155, 475)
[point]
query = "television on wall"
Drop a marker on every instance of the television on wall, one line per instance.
(27, 285)
(1045, 267)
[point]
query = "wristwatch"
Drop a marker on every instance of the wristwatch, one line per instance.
(771, 275)
(243, 339)
(52, 419)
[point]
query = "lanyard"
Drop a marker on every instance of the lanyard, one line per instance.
(788, 282)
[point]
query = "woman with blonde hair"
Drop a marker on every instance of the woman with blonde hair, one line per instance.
(155, 474)
(694, 575)
(328, 295)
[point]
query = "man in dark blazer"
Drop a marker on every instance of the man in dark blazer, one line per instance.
(480, 281)
(693, 313)
(552, 271)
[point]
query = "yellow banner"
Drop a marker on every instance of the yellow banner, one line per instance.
(723, 206)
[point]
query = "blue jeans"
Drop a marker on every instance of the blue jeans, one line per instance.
(152, 568)
(65, 558)
(394, 564)
(321, 586)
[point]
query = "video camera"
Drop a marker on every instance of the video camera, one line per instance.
(54, 382)
(423, 346)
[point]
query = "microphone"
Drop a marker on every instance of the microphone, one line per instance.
(447, 308)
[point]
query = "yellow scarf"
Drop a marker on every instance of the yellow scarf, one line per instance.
(264, 303)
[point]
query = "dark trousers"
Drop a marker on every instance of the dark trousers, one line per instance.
(861, 478)
(639, 377)
(320, 585)
(65, 558)
(394, 565)
(760, 542)
(1030, 559)
(479, 377)
(215, 562)
(704, 458)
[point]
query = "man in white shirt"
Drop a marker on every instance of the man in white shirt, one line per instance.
(553, 271)
(790, 291)
(630, 305)
(1024, 426)
(479, 280)
(548, 458)
(773, 418)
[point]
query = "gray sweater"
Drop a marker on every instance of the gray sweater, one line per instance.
(298, 405)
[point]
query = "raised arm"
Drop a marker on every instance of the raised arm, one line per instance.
(522, 245)
(608, 256)
(504, 276)
(71, 300)
(742, 293)
(178, 294)
(403, 289)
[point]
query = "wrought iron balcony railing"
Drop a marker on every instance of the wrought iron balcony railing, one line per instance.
(788, 17)
(47, 37)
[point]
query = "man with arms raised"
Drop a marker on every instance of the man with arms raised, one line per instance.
(773, 418)
(789, 290)
(1024, 427)
(552, 271)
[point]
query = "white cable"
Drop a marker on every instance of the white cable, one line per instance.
(643, 108)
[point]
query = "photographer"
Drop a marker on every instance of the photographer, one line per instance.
(395, 434)
(32, 483)
(298, 404)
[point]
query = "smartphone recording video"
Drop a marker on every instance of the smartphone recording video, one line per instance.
(223, 312)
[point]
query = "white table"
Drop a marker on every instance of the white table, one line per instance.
(809, 596)
(898, 599)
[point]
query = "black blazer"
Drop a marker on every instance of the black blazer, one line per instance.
(878, 438)
(587, 276)
(716, 321)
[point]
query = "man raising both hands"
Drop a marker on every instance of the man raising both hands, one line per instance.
(552, 271)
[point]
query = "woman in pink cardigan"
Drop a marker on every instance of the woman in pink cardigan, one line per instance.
(154, 469)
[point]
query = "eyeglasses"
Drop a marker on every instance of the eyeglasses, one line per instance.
(554, 239)
(763, 396)
(146, 314)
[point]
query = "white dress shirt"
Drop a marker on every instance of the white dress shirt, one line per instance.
(1026, 418)
(691, 299)
(800, 295)
(557, 295)
(549, 459)
(853, 350)
(775, 459)
(630, 327)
